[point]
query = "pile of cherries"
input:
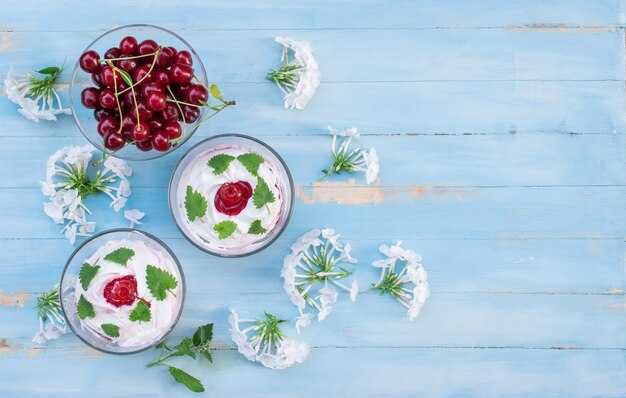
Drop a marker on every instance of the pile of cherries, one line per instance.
(149, 112)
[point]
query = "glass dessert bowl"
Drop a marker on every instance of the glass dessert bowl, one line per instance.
(231, 195)
(103, 101)
(122, 291)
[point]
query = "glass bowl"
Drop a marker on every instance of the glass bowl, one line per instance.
(203, 150)
(69, 281)
(85, 119)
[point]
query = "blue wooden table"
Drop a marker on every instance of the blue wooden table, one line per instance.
(500, 127)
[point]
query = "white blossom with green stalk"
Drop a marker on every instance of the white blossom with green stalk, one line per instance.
(351, 160)
(51, 322)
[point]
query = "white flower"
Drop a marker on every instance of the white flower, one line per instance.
(354, 291)
(118, 203)
(324, 311)
(39, 338)
(124, 188)
(350, 161)
(70, 232)
(47, 188)
(55, 211)
(87, 228)
(118, 166)
(328, 296)
(294, 351)
(71, 199)
(133, 216)
(80, 155)
(310, 238)
(372, 165)
(345, 254)
(303, 321)
(53, 331)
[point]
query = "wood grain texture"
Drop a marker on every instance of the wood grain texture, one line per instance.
(500, 129)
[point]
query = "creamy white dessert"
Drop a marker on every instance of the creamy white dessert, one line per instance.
(229, 197)
(129, 293)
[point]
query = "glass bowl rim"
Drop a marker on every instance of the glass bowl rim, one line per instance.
(77, 67)
(238, 136)
(164, 246)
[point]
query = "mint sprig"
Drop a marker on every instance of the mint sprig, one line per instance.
(251, 161)
(120, 256)
(87, 273)
(198, 345)
(256, 228)
(220, 163)
(195, 204)
(110, 329)
(225, 229)
(84, 308)
(262, 194)
(160, 282)
(141, 313)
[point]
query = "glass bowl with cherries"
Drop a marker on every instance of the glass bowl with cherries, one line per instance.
(140, 91)
(231, 195)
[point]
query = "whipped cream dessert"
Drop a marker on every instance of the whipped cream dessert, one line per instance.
(229, 197)
(128, 293)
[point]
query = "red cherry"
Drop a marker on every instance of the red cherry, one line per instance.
(140, 75)
(90, 97)
(173, 130)
(165, 58)
(107, 99)
(108, 124)
(144, 145)
(232, 197)
(121, 291)
(181, 74)
(145, 114)
(128, 65)
(112, 53)
(183, 57)
(170, 113)
(155, 101)
(181, 93)
(196, 93)
(151, 87)
(162, 77)
(114, 140)
(128, 45)
(99, 113)
(90, 62)
(146, 47)
(155, 125)
(128, 122)
(140, 132)
(128, 100)
(160, 142)
(191, 113)
(97, 79)
(174, 50)
(106, 75)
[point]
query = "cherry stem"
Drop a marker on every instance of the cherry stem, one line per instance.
(117, 100)
(123, 58)
(156, 53)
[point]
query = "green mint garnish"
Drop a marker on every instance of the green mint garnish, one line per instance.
(256, 228)
(262, 194)
(159, 282)
(87, 273)
(188, 380)
(220, 163)
(195, 204)
(140, 313)
(84, 308)
(251, 161)
(120, 256)
(110, 329)
(225, 229)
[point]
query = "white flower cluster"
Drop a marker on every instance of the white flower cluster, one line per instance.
(352, 160)
(51, 323)
(301, 76)
(396, 283)
(68, 183)
(19, 87)
(268, 346)
(315, 260)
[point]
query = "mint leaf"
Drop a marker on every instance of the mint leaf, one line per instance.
(50, 70)
(140, 313)
(120, 256)
(87, 273)
(251, 161)
(84, 308)
(111, 329)
(203, 335)
(195, 204)
(256, 228)
(126, 77)
(262, 194)
(184, 348)
(220, 163)
(188, 380)
(225, 229)
(159, 282)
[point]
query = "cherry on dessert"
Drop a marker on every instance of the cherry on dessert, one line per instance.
(106, 75)
(121, 291)
(128, 65)
(90, 97)
(191, 113)
(140, 132)
(108, 124)
(181, 74)
(150, 88)
(155, 125)
(183, 57)
(128, 45)
(113, 52)
(155, 101)
(114, 140)
(170, 113)
(160, 142)
(107, 99)
(162, 77)
(144, 145)
(165, 58)
(196, 93)
(232, 197)
(173, 130)
(90, 62)
(146, 47)
(139, 76)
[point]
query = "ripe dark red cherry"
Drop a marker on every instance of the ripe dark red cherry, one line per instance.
(181, 74)
(155, 125)
(160, 142)
(140, 72)
(150, 88)
(165, 58)
(183, 57)
(170, 113)
(162, 77)
(147, 47)
(121, 291)
(173, 130)
(232, 197)
(90, 97)
(107, 99)
(128, 122)
(128, 65)
(97, 79)
(140, 132)
(113, 52)
(114, 140)
(108, 124)
(106, 75)
(90, 62)
(191, 113)
(128, 45)
(144, 145)
(181, 93)
(145, 114)
(155, 101)
(196, 93)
